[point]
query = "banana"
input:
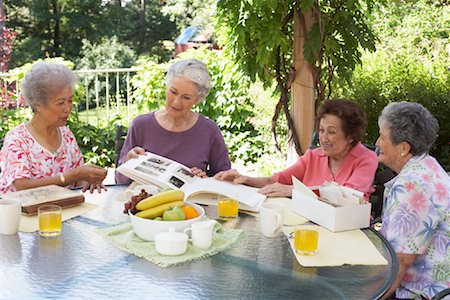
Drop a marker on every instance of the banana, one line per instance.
(161, 198)
(158, 211)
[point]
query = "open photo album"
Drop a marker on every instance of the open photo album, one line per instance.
(164, 172)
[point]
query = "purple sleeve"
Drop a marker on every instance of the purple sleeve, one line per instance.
(219, 158)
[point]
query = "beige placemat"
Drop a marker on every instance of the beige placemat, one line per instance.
(350, 247)
(31, 223)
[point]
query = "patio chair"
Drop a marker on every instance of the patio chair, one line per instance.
(120, 139)
(442, 295)
(382, 175)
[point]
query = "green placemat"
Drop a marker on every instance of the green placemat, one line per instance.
(123, 237)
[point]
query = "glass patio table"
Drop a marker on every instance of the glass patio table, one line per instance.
(82, 264)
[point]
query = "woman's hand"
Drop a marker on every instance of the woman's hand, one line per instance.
(91, 174)
(135, 152)
(276, 190)
(231, 175)
(199, 172)
(93, 186)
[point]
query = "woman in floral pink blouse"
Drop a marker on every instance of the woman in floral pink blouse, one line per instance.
(43, 151)
(416, 213)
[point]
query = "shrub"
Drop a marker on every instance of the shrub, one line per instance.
(385, 78)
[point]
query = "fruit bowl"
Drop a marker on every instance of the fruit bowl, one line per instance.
(147, 228)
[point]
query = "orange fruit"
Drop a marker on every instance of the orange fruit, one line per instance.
(190, 212)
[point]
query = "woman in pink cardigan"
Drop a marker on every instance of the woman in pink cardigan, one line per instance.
(341, 157)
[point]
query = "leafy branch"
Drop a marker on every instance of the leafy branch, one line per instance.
(259, 36)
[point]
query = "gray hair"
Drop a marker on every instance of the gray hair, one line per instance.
(193, 70)
(412, 123)
(44, 79)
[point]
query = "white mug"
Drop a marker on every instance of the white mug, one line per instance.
(150, 189)
(271, 218)
(10, 211)
(201, 233)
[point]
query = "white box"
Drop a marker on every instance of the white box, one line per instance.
(331, 217)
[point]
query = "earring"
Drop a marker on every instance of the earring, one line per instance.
(403, 154)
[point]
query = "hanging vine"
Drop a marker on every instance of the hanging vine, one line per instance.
(259, 36)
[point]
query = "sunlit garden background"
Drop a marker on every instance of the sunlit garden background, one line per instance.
(411, 61)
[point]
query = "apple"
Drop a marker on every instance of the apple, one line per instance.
(174, 213)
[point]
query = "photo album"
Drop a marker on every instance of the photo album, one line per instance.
(51, 194)
(164, 172)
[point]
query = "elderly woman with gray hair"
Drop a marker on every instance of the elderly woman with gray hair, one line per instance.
(416, 213)
(175, 131)
(43, 151)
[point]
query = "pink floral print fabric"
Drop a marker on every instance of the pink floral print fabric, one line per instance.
(416, 220)
(23, 157)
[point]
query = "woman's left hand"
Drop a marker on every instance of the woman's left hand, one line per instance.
(93, 186)
(276, 190)
(198, 172)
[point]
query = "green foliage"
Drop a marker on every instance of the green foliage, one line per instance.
(49, 28)
(262, 32)
(411, 64)
(190, 12)
(97, 143)
(228, 102)
(108, 53)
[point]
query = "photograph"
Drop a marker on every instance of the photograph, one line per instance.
(159, 161)
(153, 167)
(145, 170)
(186, 174)
(176, 181)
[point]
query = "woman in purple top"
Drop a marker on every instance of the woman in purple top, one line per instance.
(176, 132)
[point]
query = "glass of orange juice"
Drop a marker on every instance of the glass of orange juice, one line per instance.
(227, 209)
(306, 240)
(50, 223)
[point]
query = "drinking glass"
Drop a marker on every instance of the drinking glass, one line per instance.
(50, 220)
(227, 209)
(306, 240)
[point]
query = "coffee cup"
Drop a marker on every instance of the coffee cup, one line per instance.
(271, 218)
(10, 211)
(201, 233)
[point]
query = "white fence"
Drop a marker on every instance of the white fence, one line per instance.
(110, 88)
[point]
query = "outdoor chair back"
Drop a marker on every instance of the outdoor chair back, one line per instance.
(121, 133)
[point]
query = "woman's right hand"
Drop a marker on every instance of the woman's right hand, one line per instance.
(231, 175)
(135, 152)
(91, 174)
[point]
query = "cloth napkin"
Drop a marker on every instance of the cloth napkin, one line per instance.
(124, 238)
(350, 247)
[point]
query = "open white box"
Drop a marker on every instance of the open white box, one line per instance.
(306, 204)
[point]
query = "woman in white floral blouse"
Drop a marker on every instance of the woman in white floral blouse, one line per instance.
(416, 213)
(43, 151)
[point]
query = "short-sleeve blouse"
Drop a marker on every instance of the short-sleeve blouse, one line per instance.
(416, 220)
(23, 157)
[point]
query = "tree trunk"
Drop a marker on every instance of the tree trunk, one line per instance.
(142, 27)
(2, 17)
(302, 89)
(56, 13)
